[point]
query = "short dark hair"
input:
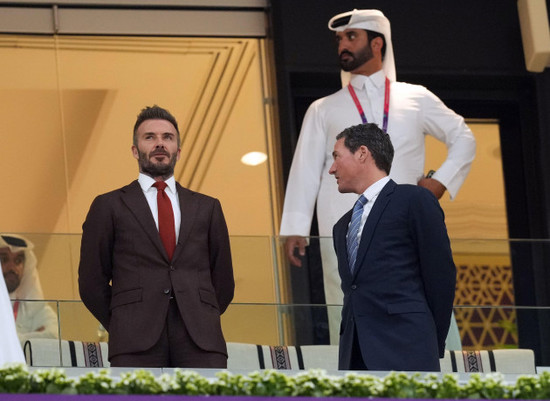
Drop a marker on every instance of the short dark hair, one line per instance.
(377, 142)
(155, 113)
(372, 35)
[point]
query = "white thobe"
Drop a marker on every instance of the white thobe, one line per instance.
(35, 319)
(413, 113)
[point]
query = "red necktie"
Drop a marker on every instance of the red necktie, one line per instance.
(166, 219)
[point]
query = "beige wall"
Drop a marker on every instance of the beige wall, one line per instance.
(69, 105)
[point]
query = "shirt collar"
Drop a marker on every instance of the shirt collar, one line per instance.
(372, 192)
(360, 81)
(147, 182)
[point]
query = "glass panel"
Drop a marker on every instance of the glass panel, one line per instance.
(69, 105)
(255, 271)
(77, 323)
(273, 300)
(77, 328)
(484, 278)
(479, 209)
(36, 319)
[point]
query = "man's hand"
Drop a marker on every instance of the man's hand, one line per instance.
(437, 188)
(291, 244)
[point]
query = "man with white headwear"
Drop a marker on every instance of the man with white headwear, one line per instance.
(33, 319)
(10, 350)
(406, 112)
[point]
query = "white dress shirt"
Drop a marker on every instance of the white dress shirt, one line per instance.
(413, 113)
(150, 193)
(371, 193)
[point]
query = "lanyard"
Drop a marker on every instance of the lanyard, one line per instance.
(386, 104)
(15, 309)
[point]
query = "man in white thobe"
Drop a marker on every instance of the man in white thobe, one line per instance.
(34, 318)
(406, 112)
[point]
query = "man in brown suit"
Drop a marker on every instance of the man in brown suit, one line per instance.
(158, 286)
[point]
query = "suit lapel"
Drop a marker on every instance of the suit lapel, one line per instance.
(135, 200)
(189, 208)
(372, 220)
(340, 233)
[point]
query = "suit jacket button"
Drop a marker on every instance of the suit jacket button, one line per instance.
(167, 291)
(172, 268)
(353, 287)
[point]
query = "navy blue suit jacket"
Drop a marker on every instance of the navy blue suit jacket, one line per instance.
(399, 299)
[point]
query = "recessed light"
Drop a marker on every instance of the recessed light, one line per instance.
(254, 158)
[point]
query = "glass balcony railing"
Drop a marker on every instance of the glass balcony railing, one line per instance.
(481, 327)
(486, 328)
(278, 303)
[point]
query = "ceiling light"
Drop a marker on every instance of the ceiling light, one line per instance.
(254, 158)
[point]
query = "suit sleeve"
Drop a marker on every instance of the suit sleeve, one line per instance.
(95, 269)
(221, 266)
(436, 261)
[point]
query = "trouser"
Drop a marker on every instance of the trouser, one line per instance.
(174, 348)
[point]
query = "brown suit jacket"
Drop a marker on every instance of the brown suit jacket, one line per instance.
(125, 276)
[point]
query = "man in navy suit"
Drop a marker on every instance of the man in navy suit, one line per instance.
(399, 292)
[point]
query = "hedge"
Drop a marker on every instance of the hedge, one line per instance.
(16, 378)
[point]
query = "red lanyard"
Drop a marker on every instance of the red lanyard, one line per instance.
(15, 309)
(386, 104)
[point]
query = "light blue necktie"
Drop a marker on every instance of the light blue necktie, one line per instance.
(353, 230)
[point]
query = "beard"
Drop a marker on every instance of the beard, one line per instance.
(355, 60)
(159, 169)
(12, 281)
